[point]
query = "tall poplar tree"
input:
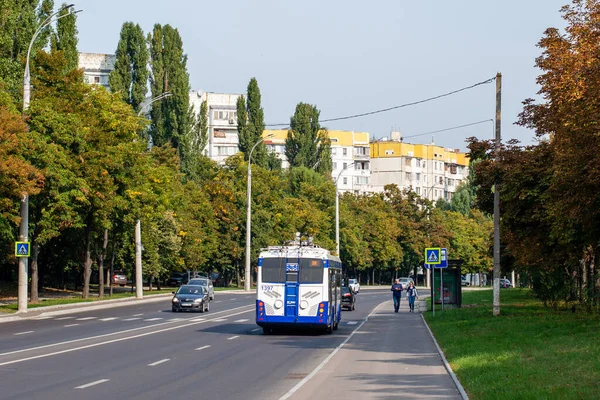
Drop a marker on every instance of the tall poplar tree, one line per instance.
(130, 76)
(172, 121)
(253, 126)
(65, 38)
(19, 19)
(307, 144)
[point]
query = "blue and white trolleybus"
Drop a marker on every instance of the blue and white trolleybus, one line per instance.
(298, 285)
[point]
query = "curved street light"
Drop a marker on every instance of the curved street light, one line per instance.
(139, 285)
(249, 212)
(337, 209)
(24, 225)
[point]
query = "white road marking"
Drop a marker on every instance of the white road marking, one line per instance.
(63, 318)
(257, 329)
(66, 326)
(85, 318)
(137, 315)
(107, 319)
(247, 297)
(23, 333)
(112, 340)
(203, 347)
(235, 298)
(131, 319)
(87, 385)
(220, 320)
(325, 361)
(154, 364)
(40, 318)
(197, 319)
(152, 319)
(233, 337)
(352, 322)
(242, 320)
(218, 301)
(178, 319)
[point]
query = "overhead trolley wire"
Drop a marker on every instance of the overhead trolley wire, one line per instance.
(401, 105)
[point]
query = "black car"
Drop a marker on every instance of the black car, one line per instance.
(348, 298)
(190, 298)
(178, 279)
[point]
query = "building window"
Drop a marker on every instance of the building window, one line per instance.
(345, 151)
(418, 190)
(435, 193)
(333, 151)
(345, 164)
(96, 79)
(409, 176)
(335, 166)
(362, 180)
(345, 181)
(441, 180)
(418, 176)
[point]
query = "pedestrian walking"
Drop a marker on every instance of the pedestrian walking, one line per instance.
(411, 295)
(397, 294)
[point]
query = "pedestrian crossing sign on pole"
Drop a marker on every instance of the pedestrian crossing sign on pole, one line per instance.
(21, 249)
(433, 256)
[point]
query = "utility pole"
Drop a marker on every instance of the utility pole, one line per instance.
(497, 199)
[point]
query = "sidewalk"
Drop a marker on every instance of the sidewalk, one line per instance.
(391, 356)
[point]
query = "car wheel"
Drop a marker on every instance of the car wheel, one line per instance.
(173, 310)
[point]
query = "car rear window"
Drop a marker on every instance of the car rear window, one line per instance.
(345, 290)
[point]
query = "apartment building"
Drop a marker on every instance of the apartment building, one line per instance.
(96, 67)
(223, 137)
(431, 171)
(349, 155)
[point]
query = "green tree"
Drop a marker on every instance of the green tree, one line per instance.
(307, 144)
(65, 38)
(130, 76)
(252, 124)
(172, 120)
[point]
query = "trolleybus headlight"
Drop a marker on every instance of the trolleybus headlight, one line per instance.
(278, 304)
(303, 304)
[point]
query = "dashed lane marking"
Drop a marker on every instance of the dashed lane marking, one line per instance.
(257, 329)
(64, 318)
(233, 337)
(108, 319)
(203, 347)
(85, 318)
(87, 385)
(352, 322)
(137, 315)
(131, 319)
(68, 326)
(152, 319)
(23, 333)
(154, 364)
(220, 320)
(242, 320)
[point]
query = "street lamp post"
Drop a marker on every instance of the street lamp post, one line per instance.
(249, 212)
(24, 225)
(337, 210)
(139, 285)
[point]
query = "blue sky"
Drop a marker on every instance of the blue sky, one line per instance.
(350, 56)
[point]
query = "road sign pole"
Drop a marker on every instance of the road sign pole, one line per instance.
(442, 287)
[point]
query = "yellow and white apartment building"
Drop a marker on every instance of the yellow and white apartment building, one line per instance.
(347, 148)
(431, 171)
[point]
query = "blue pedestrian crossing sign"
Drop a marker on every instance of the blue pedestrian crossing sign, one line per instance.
(433, 256)
(21, 249)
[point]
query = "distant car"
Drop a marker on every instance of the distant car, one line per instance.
(190, 298)
(405, 281)
(348, 298)
(178, 279)
(119, 278)
(505, 283)
(206, 284)
(464, 281)
(354, 285)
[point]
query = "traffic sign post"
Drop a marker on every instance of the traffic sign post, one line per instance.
(436, 257)
(22, 249)
(433, 256)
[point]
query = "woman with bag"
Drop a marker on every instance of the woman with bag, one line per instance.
(411, 294)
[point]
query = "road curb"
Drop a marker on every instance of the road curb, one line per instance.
(459, 386)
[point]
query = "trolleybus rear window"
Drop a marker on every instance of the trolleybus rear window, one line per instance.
(311, 270)
(273, 270)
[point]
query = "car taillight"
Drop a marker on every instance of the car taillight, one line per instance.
(347, 295)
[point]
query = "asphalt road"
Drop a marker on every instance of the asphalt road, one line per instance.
(144, 351)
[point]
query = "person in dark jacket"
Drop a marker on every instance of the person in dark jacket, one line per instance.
(411, 295)
(397, 294)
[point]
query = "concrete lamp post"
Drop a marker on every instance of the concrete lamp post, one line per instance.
(247, 286)
(337, 209)
(24, 226)
(139, 285)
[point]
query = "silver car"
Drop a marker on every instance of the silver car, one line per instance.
(205, 283)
